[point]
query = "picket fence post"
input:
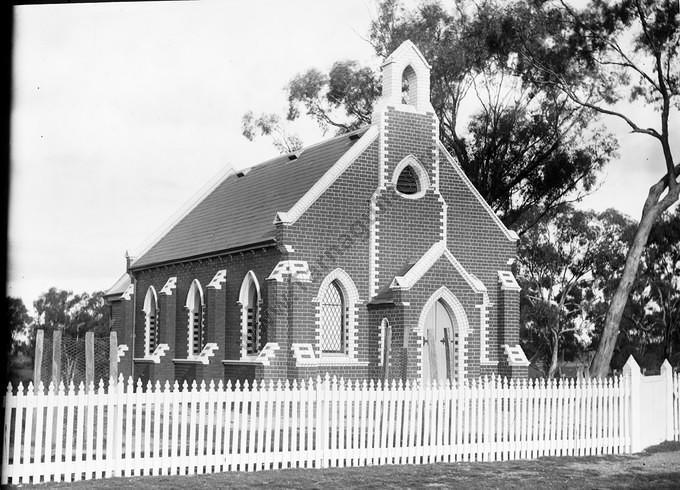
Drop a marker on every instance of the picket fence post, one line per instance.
(667, 375)
(631, 372)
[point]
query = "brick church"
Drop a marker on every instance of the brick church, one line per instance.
(369, 255)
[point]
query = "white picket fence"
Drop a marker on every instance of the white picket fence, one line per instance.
(74, 434)
(676, 407)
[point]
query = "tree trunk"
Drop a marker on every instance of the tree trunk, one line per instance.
(554, 357)
(650, 212)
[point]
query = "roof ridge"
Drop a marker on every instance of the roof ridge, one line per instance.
(300, 151)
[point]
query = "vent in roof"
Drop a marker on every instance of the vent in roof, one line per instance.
(240, 174)
(295, 155)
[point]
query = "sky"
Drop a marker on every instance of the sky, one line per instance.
(122, 112)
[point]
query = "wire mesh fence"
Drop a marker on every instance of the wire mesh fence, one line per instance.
(73, 358)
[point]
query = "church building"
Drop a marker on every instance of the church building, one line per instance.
(369, 255)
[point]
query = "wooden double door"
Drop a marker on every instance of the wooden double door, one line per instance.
(439, 344)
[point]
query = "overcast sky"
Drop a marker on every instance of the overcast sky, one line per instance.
(122, 112)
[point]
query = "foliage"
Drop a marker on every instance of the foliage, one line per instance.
(650, 328)
(74, 313)
(525, 147)
(605, 53)
(20, 325)
(562, 262)
(270, 125)
(347, 86)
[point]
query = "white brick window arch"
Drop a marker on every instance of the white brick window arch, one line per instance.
(410, 179)
(150, 321)
(336, 317)
(462, 327)
(195, 306)
(251, 302)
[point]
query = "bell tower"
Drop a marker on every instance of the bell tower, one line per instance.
(406, 81)
(408, 172)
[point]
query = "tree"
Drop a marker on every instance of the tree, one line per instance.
(20, 325)
(652, 315)
(601, 55)
(525, 147)
(73, 313)
(270, 124)
(558, 261)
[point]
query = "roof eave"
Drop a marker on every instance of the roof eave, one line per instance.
(270, 242)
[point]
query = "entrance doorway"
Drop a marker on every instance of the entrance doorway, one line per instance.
(438, 344)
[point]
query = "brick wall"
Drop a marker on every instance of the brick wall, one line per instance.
(479, 244)
(222, 313)
(333, 233)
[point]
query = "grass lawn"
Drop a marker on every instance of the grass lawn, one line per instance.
(658, 467)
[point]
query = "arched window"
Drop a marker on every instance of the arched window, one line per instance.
(409, 86)
(407, 182)
(336, 318)
(195, 307)
(333, 320)
(150, 321)
(410, 178)
(251, 331)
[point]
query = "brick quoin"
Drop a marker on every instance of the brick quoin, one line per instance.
(353, 228)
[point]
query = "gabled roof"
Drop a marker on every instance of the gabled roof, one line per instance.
(240, 210)
(118, 287)
(425, 263)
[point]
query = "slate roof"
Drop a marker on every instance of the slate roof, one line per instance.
(240, 211)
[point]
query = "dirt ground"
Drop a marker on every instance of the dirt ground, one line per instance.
(658, 467)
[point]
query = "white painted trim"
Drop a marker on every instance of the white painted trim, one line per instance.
(508, 281)
(408, 44)
(352, 298)
(421, 175)
(516, 355)
(425, 263)
(340, 361)
(150, 296)
(245, 286)
(293, 214)
(345, 281)
(129, 292)
(170, 284)
(155, 356)
(304, 354)
(297, 269)
(373, 240)
(249, 279)
(484, 307)
(381, 339)
(190, 305)
(195, 284)
(218, 279)
(268, 352)
(509, 234)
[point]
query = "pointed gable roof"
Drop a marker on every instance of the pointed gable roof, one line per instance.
(240, 210)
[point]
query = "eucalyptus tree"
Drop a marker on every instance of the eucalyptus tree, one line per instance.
(524, 145)
(600, 56)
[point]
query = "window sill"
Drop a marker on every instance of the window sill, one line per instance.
(144, 360)
(188, 361)
(328, 360)
(244, 362)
